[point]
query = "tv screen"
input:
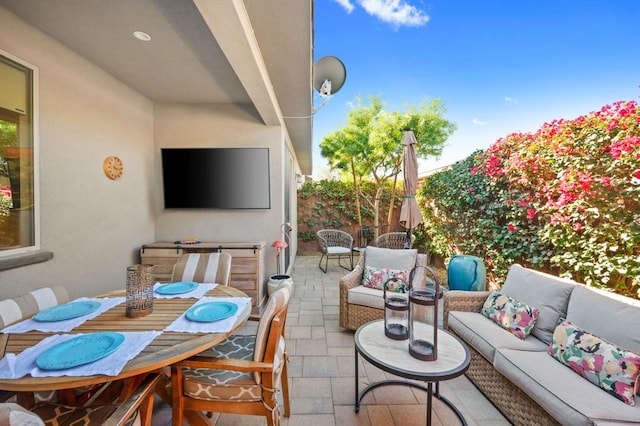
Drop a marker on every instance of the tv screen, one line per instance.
(216, 178)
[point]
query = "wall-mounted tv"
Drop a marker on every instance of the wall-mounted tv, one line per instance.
(216, 178)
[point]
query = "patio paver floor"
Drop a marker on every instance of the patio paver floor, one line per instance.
(321, 370)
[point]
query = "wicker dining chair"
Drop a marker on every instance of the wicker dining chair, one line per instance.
(335, 243)
(394, 240)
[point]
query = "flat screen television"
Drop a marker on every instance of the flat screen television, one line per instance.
(216, 178)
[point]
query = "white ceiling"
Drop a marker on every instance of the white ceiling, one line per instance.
(256, 52)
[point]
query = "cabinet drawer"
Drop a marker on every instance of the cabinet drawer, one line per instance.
(157, 252)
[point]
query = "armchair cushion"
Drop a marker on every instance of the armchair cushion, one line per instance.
(338, 250)
(366, 296)
(403, 260)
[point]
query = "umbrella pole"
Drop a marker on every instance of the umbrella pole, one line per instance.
(407, 243)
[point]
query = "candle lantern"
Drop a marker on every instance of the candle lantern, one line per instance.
(139, 296)
(396, 312)
(423, 314)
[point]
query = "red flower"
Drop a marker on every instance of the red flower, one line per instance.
(577, 226)
(531, 213)
(511, 228)
(605, 180)
(638, 174)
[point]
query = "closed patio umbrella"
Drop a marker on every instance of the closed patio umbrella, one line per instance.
(410, 215)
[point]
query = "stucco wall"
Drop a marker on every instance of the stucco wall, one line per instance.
(94, 226)
(220, 126)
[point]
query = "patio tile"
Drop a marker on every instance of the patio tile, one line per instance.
(320, 366)
(321, 371)
(313, 419)
(340, 340)
(311, 347)
(311, 405)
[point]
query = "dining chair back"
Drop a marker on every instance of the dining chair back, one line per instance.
(241, 375)
(336, 244)
(21, 307)
(203, 268)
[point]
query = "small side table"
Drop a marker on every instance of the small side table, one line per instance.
(393, 357)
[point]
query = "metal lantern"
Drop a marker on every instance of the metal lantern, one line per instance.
(139, 296)
(396, 313)
(423, 315)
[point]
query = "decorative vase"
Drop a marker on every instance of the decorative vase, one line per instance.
(275, 281)
(467, 273)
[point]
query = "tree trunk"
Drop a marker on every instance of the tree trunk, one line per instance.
(392, 202)
(356, 183)
(376, 210)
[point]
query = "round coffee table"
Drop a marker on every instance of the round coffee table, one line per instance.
(393, 357)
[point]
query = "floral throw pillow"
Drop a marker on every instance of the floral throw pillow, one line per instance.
(604, 364)
(376, 277)
(511, 314)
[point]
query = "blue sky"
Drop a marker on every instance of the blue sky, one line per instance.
(498, 66)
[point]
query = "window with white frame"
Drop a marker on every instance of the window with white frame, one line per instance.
(18, 194)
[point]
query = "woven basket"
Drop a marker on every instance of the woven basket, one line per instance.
(139, 290)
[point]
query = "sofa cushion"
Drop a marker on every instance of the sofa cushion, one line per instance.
(377, 277)
(612, 317)
(403, 260)
(514, 316)
(481, 333)
(605, 365)
(365, 296)
(560, 391)
(548, 293)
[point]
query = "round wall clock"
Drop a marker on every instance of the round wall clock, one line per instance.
(113, 167)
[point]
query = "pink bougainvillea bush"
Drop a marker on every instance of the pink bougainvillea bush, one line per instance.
(565, 198)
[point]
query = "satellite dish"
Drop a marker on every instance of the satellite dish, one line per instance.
(329, 75)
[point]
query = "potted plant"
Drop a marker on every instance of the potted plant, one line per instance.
(275, 281)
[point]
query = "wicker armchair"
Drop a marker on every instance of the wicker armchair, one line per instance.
(353, 315)
(394, 240)
(335, 243)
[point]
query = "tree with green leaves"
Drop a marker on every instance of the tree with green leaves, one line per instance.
(369, 146)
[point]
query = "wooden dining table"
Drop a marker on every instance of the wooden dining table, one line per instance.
(164, 350)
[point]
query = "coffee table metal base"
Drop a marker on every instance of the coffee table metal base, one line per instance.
(428, 388)
(392, 356)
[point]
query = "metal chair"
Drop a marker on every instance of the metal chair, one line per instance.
(394, 240)
(335, 243)
(203, 268)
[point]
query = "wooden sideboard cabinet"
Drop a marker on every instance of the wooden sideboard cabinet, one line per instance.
(247, 263)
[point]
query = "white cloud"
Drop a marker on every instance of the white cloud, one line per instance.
(346, 5)
(478, 122)
(396, 12)
(510, 100)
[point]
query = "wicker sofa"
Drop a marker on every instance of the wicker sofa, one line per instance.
(359, 304)
(528, 385)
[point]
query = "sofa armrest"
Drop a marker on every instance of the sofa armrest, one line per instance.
(353, 278)
(465, 301)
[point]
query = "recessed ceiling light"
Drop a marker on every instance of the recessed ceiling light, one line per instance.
(140, 35)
